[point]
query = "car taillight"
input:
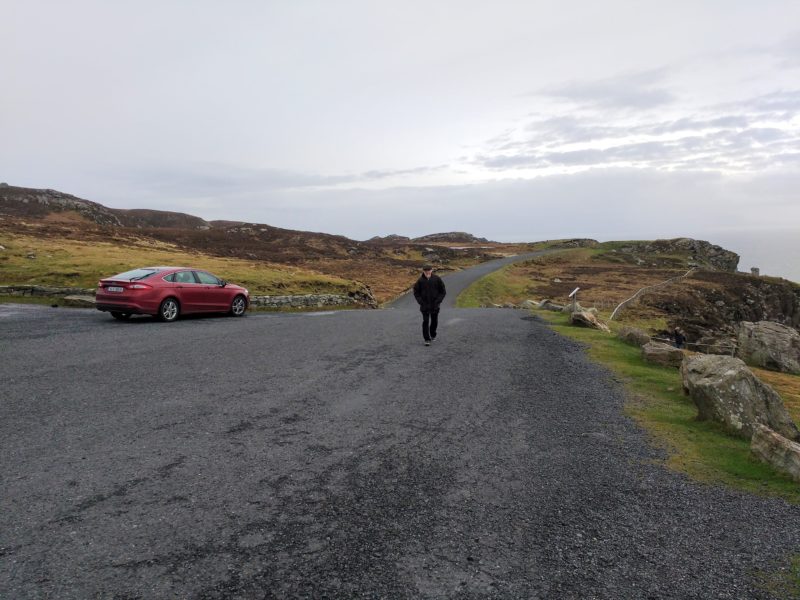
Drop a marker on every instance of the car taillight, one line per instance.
(139, 286)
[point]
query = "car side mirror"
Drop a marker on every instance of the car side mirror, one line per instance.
(223, 283)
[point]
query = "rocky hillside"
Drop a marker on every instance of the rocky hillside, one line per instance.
(453, 237)
(387, 264)
(681, 251)
(711, 303)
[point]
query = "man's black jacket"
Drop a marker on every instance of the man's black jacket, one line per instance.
(429, 292)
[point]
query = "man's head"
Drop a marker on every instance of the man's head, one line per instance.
(427, 270)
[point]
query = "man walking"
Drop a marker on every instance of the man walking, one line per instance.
(429, 292)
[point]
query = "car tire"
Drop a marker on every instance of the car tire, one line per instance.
(121, 316)
(169, 310)
(238, 306)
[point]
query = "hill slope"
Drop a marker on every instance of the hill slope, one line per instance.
(387, 266)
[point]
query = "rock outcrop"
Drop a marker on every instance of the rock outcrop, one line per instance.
(459, 237)
(726, 391)
(710, 303)
(769, 345)
(587, 319)
(633, 336)
(662, 354)
(774, 449)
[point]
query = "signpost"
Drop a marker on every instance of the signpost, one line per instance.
(574, 296)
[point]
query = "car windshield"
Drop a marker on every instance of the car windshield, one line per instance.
(136, 274)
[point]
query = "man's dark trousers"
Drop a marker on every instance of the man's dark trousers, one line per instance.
(430, 321)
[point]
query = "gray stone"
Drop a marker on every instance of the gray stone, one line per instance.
(769, 345)
(587, 319)
(633, 336)
(568, 308)
(550, 305)
(2, 248)
(79, 301)
(527, 304)
(662, 354)
(714, 344)
(726, 391)
(775, 450)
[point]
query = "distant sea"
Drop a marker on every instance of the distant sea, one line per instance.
(776, 252)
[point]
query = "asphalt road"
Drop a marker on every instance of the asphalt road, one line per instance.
(332, 455)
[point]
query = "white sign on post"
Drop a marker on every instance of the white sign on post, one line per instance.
(574, 296)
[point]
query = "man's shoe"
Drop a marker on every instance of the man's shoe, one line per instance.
(433, 338)
(427, 342)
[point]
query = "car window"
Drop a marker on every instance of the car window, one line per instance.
(136, 274)
(206, 278)
(184, 277)
(170, 278)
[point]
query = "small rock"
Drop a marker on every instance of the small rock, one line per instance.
(549, 305)
(30, 255)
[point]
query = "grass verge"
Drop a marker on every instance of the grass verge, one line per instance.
(701, 449)
(502, 285)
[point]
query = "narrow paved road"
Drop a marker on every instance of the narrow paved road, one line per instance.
(332, 455)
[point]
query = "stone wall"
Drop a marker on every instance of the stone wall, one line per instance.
(305, 301)
(40, 290)
(299, 301)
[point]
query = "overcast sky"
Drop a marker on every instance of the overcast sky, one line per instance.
(512, 120)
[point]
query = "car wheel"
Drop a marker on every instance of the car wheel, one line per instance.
(121, 316)
(238, 306)
(169, 310)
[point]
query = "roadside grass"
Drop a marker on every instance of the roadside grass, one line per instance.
(701, 449)
(782, 582)
(500, 286)
(74, 263)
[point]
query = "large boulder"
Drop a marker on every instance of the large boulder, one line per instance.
(634, 336)
(769, 345)
(774, 449)
(725, 390)
(662, 354)
(587, 319)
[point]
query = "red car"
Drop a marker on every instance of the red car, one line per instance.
(168, 292)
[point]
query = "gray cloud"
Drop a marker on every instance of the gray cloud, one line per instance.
(627, 91)
(788, 51)
(730, 137)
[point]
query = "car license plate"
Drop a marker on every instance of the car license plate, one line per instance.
(115, 289)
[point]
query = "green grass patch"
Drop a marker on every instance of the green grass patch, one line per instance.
(500, 286)
(782, 582)
(701, 449)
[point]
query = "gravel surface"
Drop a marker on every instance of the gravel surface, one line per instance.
(332, 455)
